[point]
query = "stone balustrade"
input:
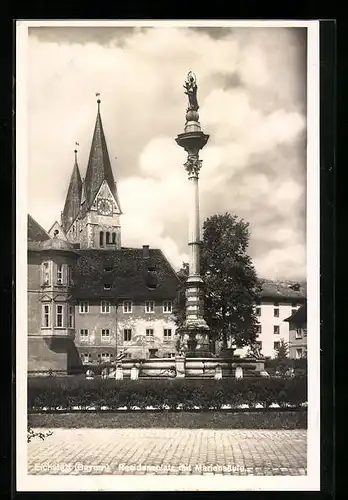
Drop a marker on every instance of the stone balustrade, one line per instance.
(185, 367)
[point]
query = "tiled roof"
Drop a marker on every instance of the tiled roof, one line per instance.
(99, 167)
(273, 289)
(299, 317)
(35, 231)
(126, 272)
(73, 199)
(50, 244)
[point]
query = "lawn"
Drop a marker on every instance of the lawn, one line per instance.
(280, 420)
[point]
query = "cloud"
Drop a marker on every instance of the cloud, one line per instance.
(252, 95)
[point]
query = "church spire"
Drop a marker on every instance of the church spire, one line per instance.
(99, 166)
(73, 197)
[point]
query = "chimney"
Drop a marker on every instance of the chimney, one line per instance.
(146, 252)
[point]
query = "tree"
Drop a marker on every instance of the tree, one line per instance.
(282, 351)
(231, 286)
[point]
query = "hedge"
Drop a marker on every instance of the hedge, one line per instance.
(66, 393)
(282, 364)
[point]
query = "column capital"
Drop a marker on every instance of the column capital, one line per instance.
(193, 166)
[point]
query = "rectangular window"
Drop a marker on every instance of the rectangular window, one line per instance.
(258, 311)
(167, 334)
(305, 332)
(105, 356)
(45, 274)
(107, 269)
(84, 334)
(105, 306)
(59, 316)
(71, 317)
(167, 306)
(101, 239)
(59, 274)
(83, 307)
(86, 358)
(105, 333)
(276, 312)
(259, 329)
(107, 238)
(149, 332)
(276, 345)
(127, 334)
(276, 329)
(298, 353)
(46, 316)
(114, 238)
(276, 304)
(298, 333)
(149, 306)
(127, 306)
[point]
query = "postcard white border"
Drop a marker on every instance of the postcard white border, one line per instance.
(310, 482)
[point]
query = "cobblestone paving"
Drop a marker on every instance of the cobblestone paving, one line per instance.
(169, 451)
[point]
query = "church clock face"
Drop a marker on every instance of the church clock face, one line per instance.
(105, 207)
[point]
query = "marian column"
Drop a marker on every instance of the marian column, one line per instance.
(193, 140)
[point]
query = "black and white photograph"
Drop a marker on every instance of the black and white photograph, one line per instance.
(167, 255)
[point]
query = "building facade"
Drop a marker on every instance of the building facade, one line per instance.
(279, 300)
(298, 333)
(100, 299)
(90, 300)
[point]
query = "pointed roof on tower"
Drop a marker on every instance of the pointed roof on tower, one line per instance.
(73, 197)
(99, 166)
(83, 193)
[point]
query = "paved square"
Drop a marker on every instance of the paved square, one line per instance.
(169, 451)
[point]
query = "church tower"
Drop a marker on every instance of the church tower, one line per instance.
(69, 216)
(99, 206)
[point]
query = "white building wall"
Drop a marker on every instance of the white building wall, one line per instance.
(267, 321)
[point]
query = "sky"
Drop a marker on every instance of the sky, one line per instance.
(252, 98)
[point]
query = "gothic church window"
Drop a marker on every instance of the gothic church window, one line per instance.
(107, 238)
(113, 238)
